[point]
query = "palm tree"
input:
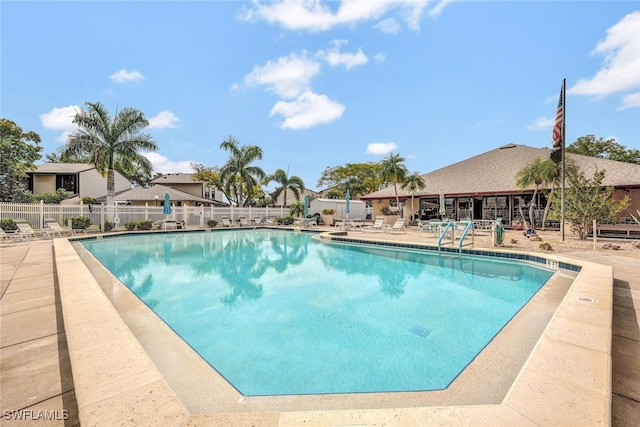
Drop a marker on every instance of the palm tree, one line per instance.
(294, 184)
(237, 173)
(551, 174)
(393, 170)
(108, 141)
(531, 174)
(413, 183)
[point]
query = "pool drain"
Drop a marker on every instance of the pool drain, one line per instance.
(420, 331)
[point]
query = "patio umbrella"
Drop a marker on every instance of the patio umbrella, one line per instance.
(306, 206)
(499, 232)
(443, 209)
(167, 204)
(347, 199)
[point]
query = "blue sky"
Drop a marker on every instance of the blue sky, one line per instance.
(318, 83)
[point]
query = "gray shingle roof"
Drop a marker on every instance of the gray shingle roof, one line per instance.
(62, 168)
(148, 195)
(495, 171)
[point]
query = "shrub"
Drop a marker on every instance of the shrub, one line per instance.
(145, 225)
(79, 222)
(90, 201)
(328, 211)
(131, 225)
(108, 225)
(386, 210)
(8, 224)
(212, 223)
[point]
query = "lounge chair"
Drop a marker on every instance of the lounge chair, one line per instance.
(398, 227)
(226, 223)
(27, 233)
(8, 237)
(52, 229)
(244, 222)
(377, 226)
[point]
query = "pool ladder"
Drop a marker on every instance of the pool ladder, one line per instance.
(452, 226)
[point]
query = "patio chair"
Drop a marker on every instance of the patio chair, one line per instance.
(225, 222)
(398, 227)
(431, 228)
(244, 222)
(378, 226)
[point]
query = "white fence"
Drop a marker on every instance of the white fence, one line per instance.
(193, 216)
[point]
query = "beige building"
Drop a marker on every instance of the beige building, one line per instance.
(79, 179)
(185, 183)
(154, 196)
(484, 187)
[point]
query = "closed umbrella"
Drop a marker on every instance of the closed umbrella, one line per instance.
(443, 209)
(306, 206)
(347, 199)
(167, 204)
(499, 232)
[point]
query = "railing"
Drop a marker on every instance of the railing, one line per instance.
(470, 226)
(451, 225)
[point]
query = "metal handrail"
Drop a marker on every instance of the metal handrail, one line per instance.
(470, 226)
(451, 225)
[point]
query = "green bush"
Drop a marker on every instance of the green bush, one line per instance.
(328, 211)
(90, 201)
(8, 224)
(108, 225)
(212, 223)
(79, 222)
(131, 225)
(145, 225)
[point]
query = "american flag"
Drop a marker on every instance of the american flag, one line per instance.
(557, 126)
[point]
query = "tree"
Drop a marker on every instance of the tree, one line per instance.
(393, 170)
(294, 184)
(413, 183)
(531, 174)
(606, 149)
(587, 200)
(19, 151)
(551, 174)
(108, 141)
(211, 177)
(237, 174)
(357, 178)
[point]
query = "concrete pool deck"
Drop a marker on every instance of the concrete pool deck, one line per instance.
(566, 380)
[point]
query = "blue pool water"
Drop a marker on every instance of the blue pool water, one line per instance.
(277, 312)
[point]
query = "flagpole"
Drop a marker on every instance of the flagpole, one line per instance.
(564, 115)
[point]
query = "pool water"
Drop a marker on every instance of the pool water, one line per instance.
(278, 312)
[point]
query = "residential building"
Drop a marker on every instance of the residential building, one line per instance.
(154, 196)
(484, 186)
(79, 179)
(186, 183)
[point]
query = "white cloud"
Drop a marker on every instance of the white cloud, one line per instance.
(316, 16)
(630, 101)
(388, 26)
(336, 58)
(61, 119)
(541, 124)
(162, 164)
(123, 76)
(621, 61)
(287, 77)
(381, 148)
(307, 110)
(164, 119)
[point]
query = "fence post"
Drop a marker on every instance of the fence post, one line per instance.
(41, 226)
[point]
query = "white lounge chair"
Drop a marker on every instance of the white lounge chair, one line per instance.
(226, 223)
(25, 230)
(8, 237)
(398, 227)
(244, 222)
(52, 229)
(378, 226)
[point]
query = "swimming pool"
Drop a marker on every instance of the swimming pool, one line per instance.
(277, 312)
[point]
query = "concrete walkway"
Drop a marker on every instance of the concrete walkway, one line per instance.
(36, 386)
(35, 373)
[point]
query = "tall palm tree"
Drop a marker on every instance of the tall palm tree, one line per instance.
(531, 174)
(413, 183)
(237, 172)
(295, 184)
(109, 141)
(393, 170)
